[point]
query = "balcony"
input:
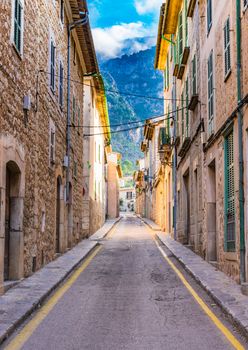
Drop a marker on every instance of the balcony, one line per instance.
(193, 102)
(191, 8)
(185, 146)
(164, 145)
(149, 130)
(144, 146)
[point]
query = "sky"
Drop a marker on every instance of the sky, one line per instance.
(123, 26)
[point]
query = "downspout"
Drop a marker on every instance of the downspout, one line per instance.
(240, 138)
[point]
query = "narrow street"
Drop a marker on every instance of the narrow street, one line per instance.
(128, 297)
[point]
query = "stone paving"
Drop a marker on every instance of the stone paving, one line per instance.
(23, 299)
(226, 292)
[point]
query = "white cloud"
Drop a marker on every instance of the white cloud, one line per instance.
(113, 41)
(147, 6)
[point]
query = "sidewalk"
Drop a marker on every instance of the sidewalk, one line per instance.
(28, 295)
(226, 292)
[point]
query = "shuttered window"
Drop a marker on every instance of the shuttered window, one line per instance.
(227, 47)
(187, 103)
(186, 22)
(180, 37)
(61, 85)
(210, 95)
(18, 25)
(182, 117)
(52, 66)
(229, 194)
(209, 15)
(194, 77)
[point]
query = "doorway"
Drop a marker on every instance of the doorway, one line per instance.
(186, 209)
(13, 241)
(211, 214)
(58, 215)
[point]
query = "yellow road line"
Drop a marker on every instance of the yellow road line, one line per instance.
(236, 344)
(28, 330)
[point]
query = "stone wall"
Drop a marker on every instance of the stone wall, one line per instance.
(27, 74)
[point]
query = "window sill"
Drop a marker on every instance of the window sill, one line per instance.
(231, 256)
(18, 53)
(227, 75)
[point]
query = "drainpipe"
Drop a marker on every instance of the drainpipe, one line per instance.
(240, 138)
(70, 27)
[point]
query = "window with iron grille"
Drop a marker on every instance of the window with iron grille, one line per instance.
(61, 84)
(180, 37)
(227, 47)
(210, 94)
(18, 25)
(229, 194)
(209, 15)
(194, 77)
(52, 66)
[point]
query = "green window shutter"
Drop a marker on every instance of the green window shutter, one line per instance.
(194, 80)
(210, 94)
(180, 37)
(229, 194)
(186, 22)
(182, 117)
(187, 103)
(18, 25)
(168, 72)
(209, 15)
(227, 46)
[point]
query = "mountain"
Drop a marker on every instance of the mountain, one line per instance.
(129, 81)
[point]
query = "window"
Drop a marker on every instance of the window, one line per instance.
(194, 80)
(182, 116)
(18, 25)
(62, 11)
(61, 85)
(129, 195)
(210, 95)
(227, 47)
(229, 194)
(52, 144)
(52, 66)
(187, 103)
(73, 109)
(209, 15)
(167, 73)
(180, 37)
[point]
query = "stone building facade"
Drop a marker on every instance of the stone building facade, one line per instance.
(201, 48)
(96, 143)
(41, 187)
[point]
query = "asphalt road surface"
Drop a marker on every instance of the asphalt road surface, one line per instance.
(129, 297)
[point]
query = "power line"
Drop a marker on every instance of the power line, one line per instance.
(128, 129)
(128, 123)
(119, 92)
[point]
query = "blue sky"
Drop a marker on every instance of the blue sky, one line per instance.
(123, 26)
